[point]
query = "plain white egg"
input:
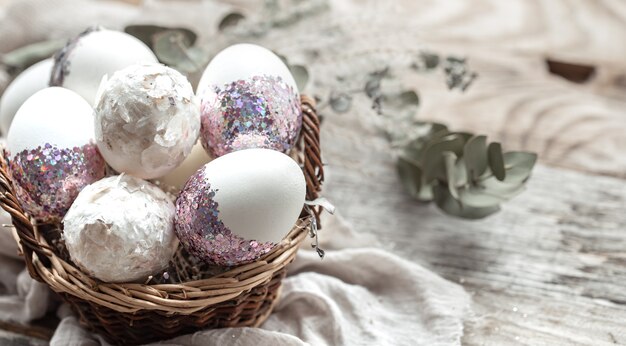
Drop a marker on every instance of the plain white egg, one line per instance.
(94, 54)
(177, 178)
(27, 83)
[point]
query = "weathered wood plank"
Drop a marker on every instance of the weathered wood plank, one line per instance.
(548, 269)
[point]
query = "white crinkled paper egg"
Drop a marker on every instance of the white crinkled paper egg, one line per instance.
(94, 54)
(121, 229)
(239, 206)
(25, 84)
(147, 120)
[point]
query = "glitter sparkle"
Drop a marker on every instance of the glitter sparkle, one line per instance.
(48, 179)
(204, 235)
(260, 112)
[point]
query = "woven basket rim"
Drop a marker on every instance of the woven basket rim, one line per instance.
(184, 298)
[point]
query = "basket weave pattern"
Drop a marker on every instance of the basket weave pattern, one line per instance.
(202, 297)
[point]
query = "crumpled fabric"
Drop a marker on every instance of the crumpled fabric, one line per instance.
(356, 295)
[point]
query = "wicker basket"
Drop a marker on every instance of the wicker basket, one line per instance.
(195, 297)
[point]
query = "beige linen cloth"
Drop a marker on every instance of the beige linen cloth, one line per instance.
(358, 294)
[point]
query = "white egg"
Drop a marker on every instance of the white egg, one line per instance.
(94, 54)
(242, 61)
(51, 152)
(239, 206)
(176, 179)
(27, 83)
(121, 229)
(249, 99)
(146, 120)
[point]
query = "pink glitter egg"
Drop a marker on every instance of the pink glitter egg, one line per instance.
(249, 99)
(51, 152)
(239, 206)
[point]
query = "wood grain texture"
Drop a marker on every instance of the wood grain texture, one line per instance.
(550, 269)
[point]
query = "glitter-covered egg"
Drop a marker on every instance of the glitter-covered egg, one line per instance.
(94, 54)
(147, 120)
(121, 229)
(25, 85)
(239, 206)
(51, 152)
(249, 100)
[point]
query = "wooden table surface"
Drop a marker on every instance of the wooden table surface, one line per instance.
(550, 268)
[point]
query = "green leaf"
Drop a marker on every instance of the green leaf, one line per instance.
(173, 47)
(410, 176)
(400, 106)
(145, 33)
(340, 102)
(503, 189)
(496, 160)
(475, 153)
(449, 159)
(421, 134)
(519, 166)
(446, 202)
(23, 57)
(300, 74)
(479, 197)
(433, 160)
(230, 20)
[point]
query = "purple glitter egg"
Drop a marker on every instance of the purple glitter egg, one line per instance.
(51, 152)
(236, 208)
(202, 232)
(47, 179)
(258, 112)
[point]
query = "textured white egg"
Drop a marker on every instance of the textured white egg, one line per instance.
(51, 152)
(176, 179)
(27, 83)
(249, 99)
(239, 206)
(121, 229)
(147, 120)
(94, 54)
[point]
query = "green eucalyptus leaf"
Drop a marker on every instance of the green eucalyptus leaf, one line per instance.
(23, 57)
(461, 173)
(503, 189)
(145, 33)
(282, 58)
(400, 107)
(519, 166)
(449, 159)
(422, 133)
(340, 102)
(372, 87)
(446, 202)
(410, 176)
(300, 74)
(433, 160)
(480, 197)
(475, 154)
(230, 20)
(496, 160)
(173, 47)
